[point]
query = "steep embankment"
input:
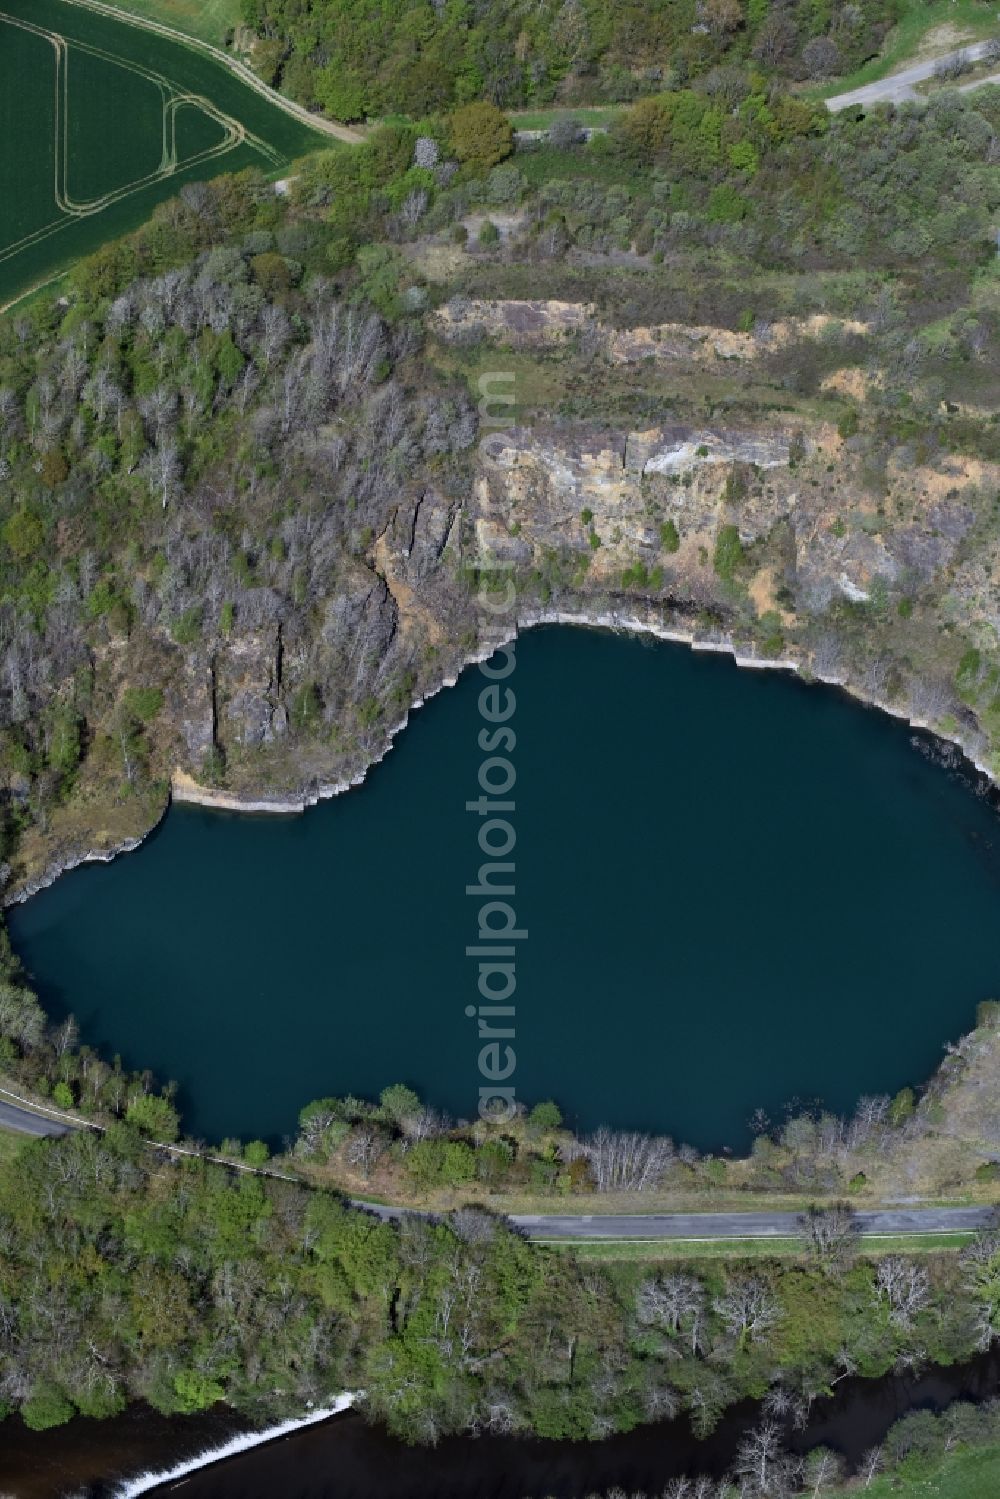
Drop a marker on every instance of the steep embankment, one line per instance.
(771, 533)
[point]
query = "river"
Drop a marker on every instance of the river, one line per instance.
(345, 1458)
(739, 891)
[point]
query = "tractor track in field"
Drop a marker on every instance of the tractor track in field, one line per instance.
(241, 70)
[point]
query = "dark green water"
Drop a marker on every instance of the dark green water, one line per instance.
(739, 891)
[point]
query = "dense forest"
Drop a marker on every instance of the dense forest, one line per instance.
(128, 1274)
(355, 59)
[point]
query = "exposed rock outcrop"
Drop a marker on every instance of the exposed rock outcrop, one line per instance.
(598, 524)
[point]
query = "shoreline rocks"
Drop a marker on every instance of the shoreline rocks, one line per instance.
(185, 790)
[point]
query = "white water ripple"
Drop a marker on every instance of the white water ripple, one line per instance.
(143, 1482)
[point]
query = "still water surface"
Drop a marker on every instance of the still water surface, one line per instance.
(739, 891)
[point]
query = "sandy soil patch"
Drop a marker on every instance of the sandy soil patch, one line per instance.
(848, 382)
(762, 591)
(943, 39)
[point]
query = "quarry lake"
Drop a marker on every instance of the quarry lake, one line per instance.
(739, 891)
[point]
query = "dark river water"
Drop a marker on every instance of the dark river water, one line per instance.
(738, 890)
(345, 1458)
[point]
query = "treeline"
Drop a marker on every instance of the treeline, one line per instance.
(406, 1149)
(125, 1275)
(354, 60)
(731, 173)
(735, 168)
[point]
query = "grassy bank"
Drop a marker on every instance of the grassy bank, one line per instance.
(544, 119)
(11, 1144)
(207, 20)
(959, 1475)
(650, 1251)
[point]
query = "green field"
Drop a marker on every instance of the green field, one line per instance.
(973, 1474)
(209, 20)
(100, 120)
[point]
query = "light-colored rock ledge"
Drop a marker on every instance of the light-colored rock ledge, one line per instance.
(186, 789)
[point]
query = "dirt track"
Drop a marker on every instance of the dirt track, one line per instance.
(243, 73)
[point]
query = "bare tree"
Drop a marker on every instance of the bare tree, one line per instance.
(163, 470)
(785, 1405)
(871, 1466)
(762, 1463)
(628, 1162)
(275, 333)
(830, 1233)
(903, 1286)
(365, 1147)
(747, 1309)
(675, 1302)
(65, 1036)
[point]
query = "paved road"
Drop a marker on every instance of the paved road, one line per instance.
(27, 1123)
(723, 1225)
(752, 1225)
(899, 87)
(742, 1225)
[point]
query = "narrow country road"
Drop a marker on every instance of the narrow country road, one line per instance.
(749, 1225)
(743, 1225)
(722, 1225)
(899, 87)
(28, 1123)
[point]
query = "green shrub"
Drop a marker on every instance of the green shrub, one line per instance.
(903, 1106)
(670, 536)
(154, 1115)
(47, 1407)
(968, 670)
(186, 629)
(24, 534)
(143, 703)
(398, 1102)
(196, 1391)
(493, 1161)
(480, 134)
(729, 552)
(545, 1115)
(726, 205)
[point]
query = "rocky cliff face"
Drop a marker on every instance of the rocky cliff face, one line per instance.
(875, 581)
